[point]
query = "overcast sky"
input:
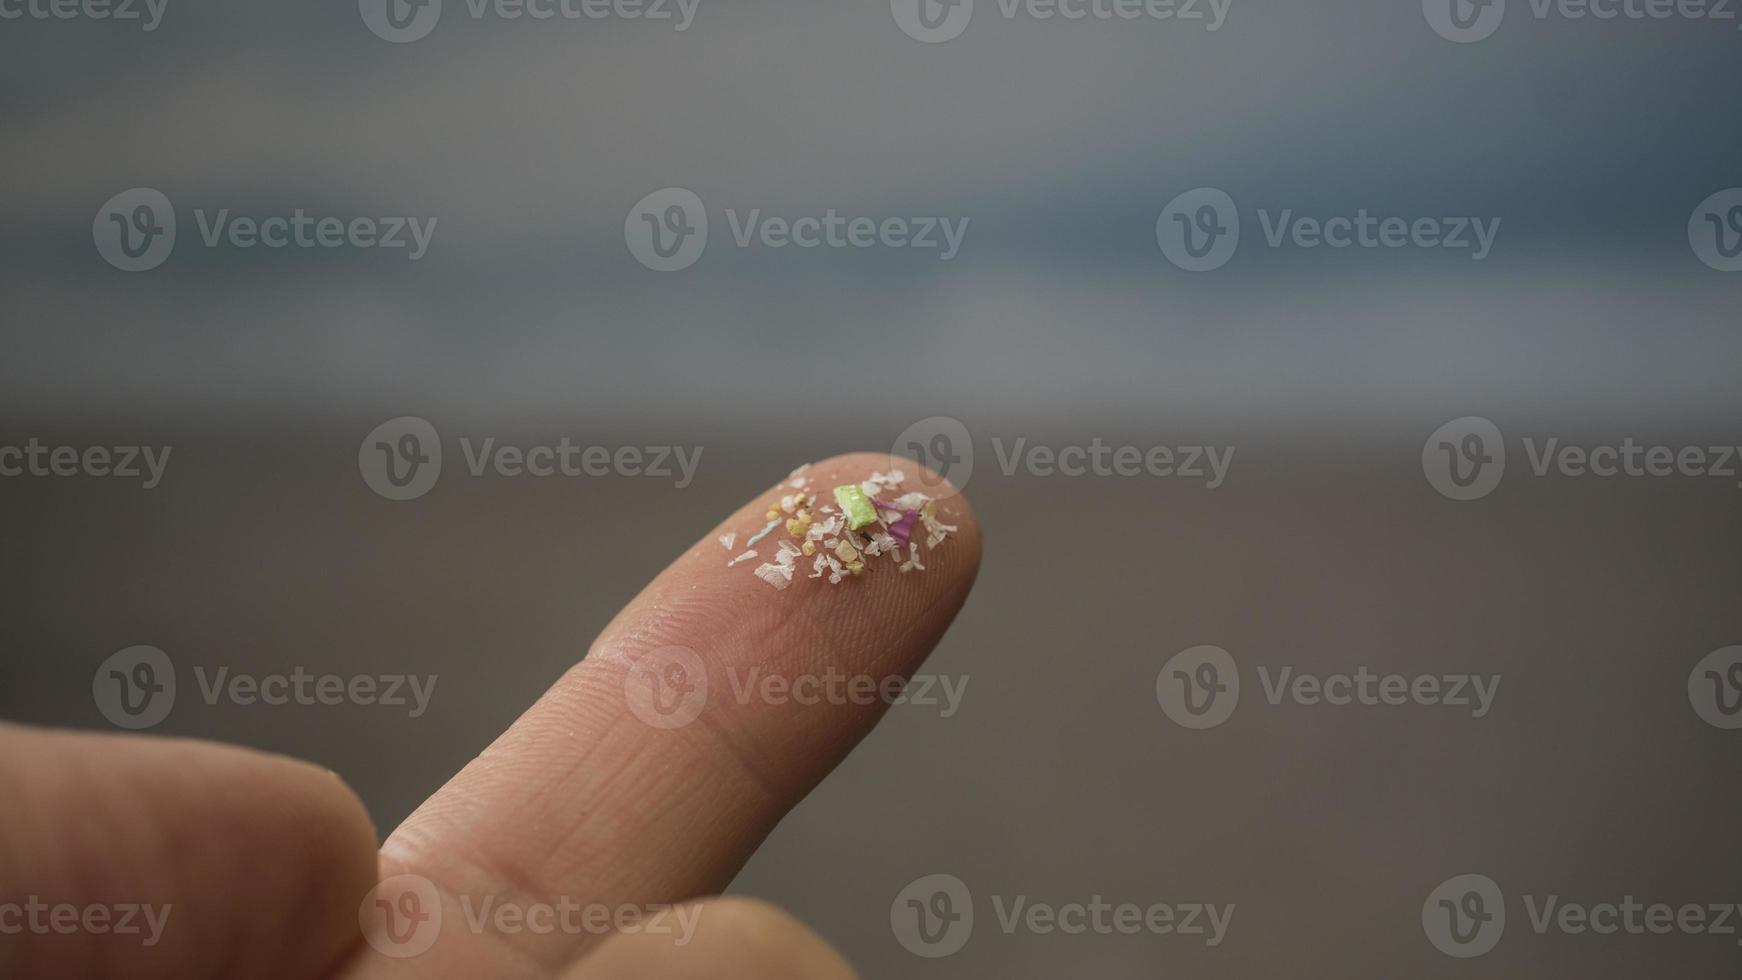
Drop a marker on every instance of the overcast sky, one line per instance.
(1059, 142)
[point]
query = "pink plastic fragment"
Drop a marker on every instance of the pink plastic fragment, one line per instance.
(904, 527)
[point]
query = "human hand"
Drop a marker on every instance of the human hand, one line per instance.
(265, 867)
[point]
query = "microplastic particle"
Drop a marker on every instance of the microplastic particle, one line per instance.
(856, 506)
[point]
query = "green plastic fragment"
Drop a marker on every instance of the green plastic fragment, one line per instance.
(856, 506)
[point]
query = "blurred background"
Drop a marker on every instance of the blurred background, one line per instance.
(1598, 151)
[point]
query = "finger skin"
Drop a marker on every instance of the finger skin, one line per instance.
(257, 857)
(583, 797)
(734, 939)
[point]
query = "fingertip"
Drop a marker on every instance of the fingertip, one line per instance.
(725, 691)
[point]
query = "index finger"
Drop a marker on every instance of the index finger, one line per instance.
(653, 768)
